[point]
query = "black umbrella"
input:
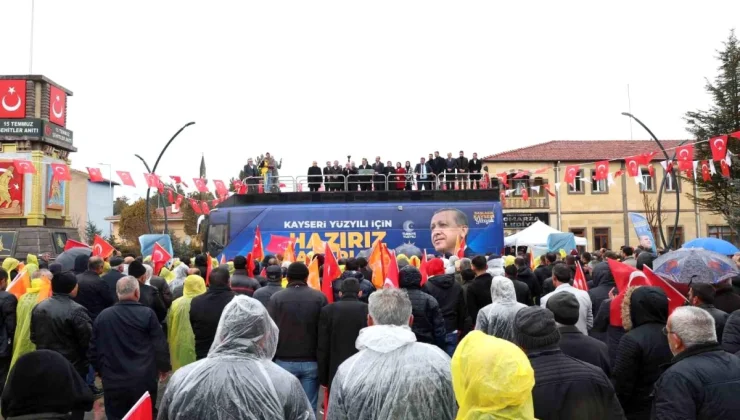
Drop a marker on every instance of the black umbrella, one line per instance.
(67, 258)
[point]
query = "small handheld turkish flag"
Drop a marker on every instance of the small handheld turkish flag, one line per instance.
(200, 185)
(602, 170)
(632, 164)
(152, 180)
(258, 252)
(570, 173)
(160, 256)
(101, 248)
(126, 178)
(95, 175)
(685, 157)
(142, 410)
(579, 280)
(221, 189)
(71, 243)
(719, 147)
(61, 172)
(24, 166)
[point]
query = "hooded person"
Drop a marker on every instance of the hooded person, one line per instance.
(352, 270)
(603, 282)
(166, 274)
(451, 299)
(642, 350)
(176, 286)
(44, 385)
(238, 379)
(497, 318)
(429, 325)
(10, 265)
(81, 264)
(180, 334)
(32, 264)
(492, 379)
(39, 291)
(392, 376)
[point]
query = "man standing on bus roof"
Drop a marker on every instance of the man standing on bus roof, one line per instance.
(446, 227)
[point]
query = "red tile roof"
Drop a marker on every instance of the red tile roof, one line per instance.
(583, 151)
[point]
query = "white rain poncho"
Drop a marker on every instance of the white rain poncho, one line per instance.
(181, 272)
(496, 267)
(238, 379)
(497, 318)
(393, 377)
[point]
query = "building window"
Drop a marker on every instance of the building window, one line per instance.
(577, 186)
(671, 184)
(601, 238)
(648, 182)
(722, 232)
(678, 239)
(598, 186)
(581, 233)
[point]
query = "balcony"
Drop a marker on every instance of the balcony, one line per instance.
(516, 202)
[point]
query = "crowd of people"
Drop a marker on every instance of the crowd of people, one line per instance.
(469, 338)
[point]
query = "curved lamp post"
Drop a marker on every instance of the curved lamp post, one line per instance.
(662, 186)
(153, 170)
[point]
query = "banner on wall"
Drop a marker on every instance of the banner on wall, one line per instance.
(643, 231)
(11, 190)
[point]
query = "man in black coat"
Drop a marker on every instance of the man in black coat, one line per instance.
(451, 300)
(424, 175)
(241, 282)
(148, 295)
(523, 295)
(159, 283)
(725, 298)
(296, 311)
(478, 293)
(439, 167)
(429, 325)
(350, 173)
(378, 178)
(314, 177)
(462, 168)
(474, 167)
(252, 175)
(128, 349)
(702, 381)
(702, 295)
(206, 309)
(573, 342)
(339, 325)
(449, 170)
(327, 176)
(93, 293)
(544, 271)
(351, 270)
(603, 282)
(365, 180)
(565, 387)
(525, 275)
(8, 303)
(274, 284)
(112, 276)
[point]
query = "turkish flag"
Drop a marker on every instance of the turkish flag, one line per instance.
(579, 280)
(126, 178)
(200, 185)
(204, 207)
(152, 180)
(503, 198)
(250, 264)
(258, 251)
(331, 273)
(525, 195)
(725, 168)
(391, 277)
(239, 187)
(57, 106)
(209, 268)
(101, 248)
(706, 175)
(685, 157)
(626, 276)
(719, 147)
(675, 298)
(646, 158)
(602, 170)
(221, 189)
(277, 244)
(632, 164)
(71, 243)
(195, 206)
(24, 166)
(651, 170)
(549, 191)
(160, 256)
(570, 173)
(542, 170)
(521, 174)
(13, 98)
(142, 410)
(170, 196)
(61, 172)
(95, 175)
(178, 180)
(423, 267)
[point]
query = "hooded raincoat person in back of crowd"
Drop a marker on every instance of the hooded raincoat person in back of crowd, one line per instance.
(10, 265)
(179, 331)
(497, 319)
(176, 286)
(32, 264)
(40, 290)
(492, 378)
(238, 379)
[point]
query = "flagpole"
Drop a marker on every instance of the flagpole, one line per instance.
(30, 53)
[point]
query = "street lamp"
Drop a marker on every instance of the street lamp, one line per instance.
(662, 186)
(110, 191)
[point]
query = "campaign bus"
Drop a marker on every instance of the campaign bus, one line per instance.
(436, 226)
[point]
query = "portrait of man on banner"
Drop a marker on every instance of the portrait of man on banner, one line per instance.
(55, 190)
(11, 190)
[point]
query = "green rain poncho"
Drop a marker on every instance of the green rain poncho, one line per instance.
(32, 264)
(40, 289)
(179, 331)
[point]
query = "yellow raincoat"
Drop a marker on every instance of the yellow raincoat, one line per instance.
(231, 267)
(40, 289)
(10, 264)
(492, 379)
(106, 268)
(166, 274)
(32, 264)
(509, 260)
(179, 331)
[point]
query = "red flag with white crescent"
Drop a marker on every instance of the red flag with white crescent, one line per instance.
(602, 170)
(24, 166)
(126, 178)
(12, 98)
(57, 106)
(719, 147)
(61, 172)
(525, 195)
(706, 175)
(204, 207)
(152, 180)
(685, 157)
(71, 243)
(570, 173)
(521, 174)
(200, 185)
(178, 180)
(331, 273)
(221, 189)
(725, 168)
(160, 256)
(258, 250)
(195, 206)
(101, 248)
(632, 164)
(178, 200)
(95, 175)
(170, 196)
(579, 280)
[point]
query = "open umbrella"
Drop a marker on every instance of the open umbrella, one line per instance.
(67, 258)
(713, 244)
(695, 265)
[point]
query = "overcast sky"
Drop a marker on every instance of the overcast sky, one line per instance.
(318, 80)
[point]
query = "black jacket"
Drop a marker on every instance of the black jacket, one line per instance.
(93, 293)
(263, 294)
(525, 274)
(339, 325)
(731, 334)
(720, 318)
(543, 272)
(702, 382)
(428, 326)
(314, 175)
(149, 297)
(451, 300)
(523, 294)
(8, 304)
(242, 284)
(726, 299)
(475, 165)
(366, 286)
(462, 164)
(429, 171)
(205, 312)
(62, 325)
(603, 282)
(128, 348)
(604, 330)
(111, 278)
(327, 172)
(164, 290)
(641, 350)
(478, 294)
(250, 173)
(439, 165)
(567, 388)
(296, 311)
(584, 348)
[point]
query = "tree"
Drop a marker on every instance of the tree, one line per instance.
(133, 222)
(120, 204)
(91, 229)
(720, 195)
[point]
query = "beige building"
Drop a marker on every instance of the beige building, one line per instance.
(175, 223)
(593, 209)
(91, 201)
